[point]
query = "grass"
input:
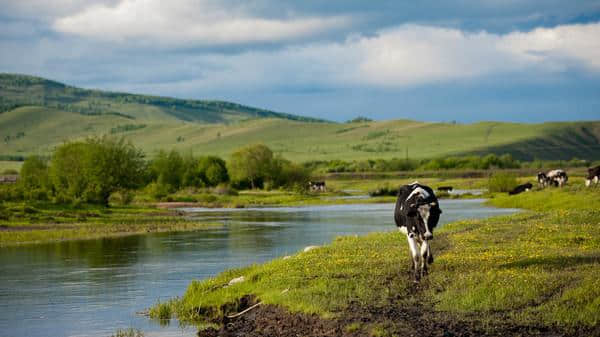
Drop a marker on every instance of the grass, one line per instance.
(534, 267)
(45, 222)
(36, 126)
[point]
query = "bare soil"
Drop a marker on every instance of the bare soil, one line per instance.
(397, 317)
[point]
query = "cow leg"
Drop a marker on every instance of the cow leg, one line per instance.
(429, 255)
(424, 257)
(412, 243)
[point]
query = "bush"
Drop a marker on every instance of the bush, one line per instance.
(123, 197)
(158, 191)
(502, 182)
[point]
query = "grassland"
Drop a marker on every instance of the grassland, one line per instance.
(530, 273)
(47, 113)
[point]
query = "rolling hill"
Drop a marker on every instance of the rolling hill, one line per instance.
(38, 114)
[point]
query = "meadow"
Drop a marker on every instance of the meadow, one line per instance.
(532, 273)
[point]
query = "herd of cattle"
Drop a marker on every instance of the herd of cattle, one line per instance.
(557, 178)
(417, 213)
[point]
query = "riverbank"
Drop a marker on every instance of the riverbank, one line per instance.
(35, 223)
(533, 273)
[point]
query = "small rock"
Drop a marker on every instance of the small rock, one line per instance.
(286, 257)
(236, 280)
(309, 248)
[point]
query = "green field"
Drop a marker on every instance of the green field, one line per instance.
(532, 273)
(38, 114)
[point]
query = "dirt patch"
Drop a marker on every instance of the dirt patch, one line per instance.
(393, 319)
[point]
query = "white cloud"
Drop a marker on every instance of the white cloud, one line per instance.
(203, 22)
(409, 55)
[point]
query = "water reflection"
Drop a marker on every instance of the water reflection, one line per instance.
(91, 288)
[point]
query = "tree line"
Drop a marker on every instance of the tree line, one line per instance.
(487, 162)
(92, 170)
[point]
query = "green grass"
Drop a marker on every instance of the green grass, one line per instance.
(43, 222)
(535, 267)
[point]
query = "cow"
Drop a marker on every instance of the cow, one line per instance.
(520, 189)
(316, 186)
(556, 177)
(593, 176)
(416, 214)
(445, 188)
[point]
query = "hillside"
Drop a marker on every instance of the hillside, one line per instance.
(23, 90)
(57, 113)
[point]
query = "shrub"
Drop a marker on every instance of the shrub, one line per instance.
(502, 182)
(122, 197)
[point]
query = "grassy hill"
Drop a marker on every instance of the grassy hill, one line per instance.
(23, 90)
(49, 113)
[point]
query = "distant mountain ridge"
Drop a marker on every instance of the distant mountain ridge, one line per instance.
(18, 90)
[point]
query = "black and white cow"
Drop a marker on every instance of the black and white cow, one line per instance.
(593, 176)
(552, 178)
(316, 186)
(445, 188)
(520, 189)
(416, 214)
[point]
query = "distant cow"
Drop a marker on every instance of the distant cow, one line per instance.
(445, 188)
(316, 186)
(416, 214)
(593, 176)
(521, 189)
(552, 178)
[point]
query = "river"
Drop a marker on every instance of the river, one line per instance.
(93, 287)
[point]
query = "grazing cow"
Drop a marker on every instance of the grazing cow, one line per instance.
(445, 188)
(521, 189)
(416, 214)
(316, 185)
(555, 178)
(593, 176)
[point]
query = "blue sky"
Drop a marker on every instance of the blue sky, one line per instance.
(511, 60)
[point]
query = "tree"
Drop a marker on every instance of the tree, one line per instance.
(251, 163)
(93, 169)
(168, 168)
(113, 165)
(213, 170)
(33, 178)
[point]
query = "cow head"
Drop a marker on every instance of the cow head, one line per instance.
(427, 215)
(541, 177)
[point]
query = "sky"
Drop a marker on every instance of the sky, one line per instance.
(463, 60)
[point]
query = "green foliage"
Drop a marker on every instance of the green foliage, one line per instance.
(167, 169)
(502, 182)
(360, 119)
(252, 164)
(126, 128)
(213, 170)
(10, 172)
(91, 170)
(34, 179)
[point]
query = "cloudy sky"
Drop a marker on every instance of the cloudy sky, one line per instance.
(463, 60)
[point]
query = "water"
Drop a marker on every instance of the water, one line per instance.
(91, 288)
